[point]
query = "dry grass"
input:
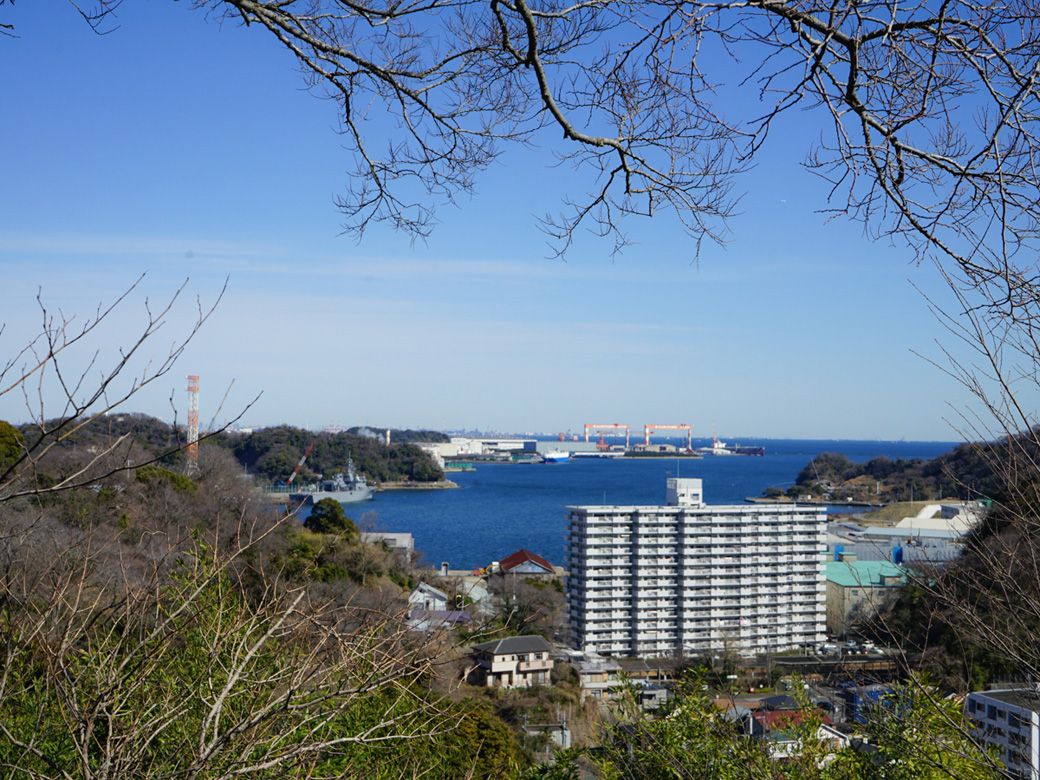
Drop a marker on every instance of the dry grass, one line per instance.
(890, 514)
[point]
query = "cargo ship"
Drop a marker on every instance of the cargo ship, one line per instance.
(556, 456)
(719, 447)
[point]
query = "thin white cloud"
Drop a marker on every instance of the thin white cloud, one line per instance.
(72, 245)
(242, 257)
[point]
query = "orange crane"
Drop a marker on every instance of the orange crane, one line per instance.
(598, 428)
(649, 429)
(306, 454)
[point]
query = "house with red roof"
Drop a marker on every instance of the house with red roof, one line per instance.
(783, 730)
(526, 563)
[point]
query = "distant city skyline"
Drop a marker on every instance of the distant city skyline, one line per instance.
(213, 162)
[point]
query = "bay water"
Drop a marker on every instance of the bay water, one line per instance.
(500, 508)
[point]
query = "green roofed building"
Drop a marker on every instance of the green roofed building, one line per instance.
(856, 590)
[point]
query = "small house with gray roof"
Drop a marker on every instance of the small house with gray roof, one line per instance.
(512, 662)
(429, 598)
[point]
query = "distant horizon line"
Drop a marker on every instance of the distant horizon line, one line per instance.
(546, 435)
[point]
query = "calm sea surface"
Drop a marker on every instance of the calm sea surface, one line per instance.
(501, 508)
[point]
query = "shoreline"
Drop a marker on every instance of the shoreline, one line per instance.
(443, 484)
(814, 502)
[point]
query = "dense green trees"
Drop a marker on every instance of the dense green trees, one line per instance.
(966, 472)
(327, 517)
(11, 446)
(153, 474)
(914, 735)
(272, 453)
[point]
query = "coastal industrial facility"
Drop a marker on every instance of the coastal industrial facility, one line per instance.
(691, 578)
(533, 450)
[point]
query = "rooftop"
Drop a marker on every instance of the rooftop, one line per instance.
(521, 557)
(862, 574)
(423, 587)
(1026, 698)
(702, 509)
(773, 720)
(446, 616)
(780, 702)
(589, 666)
(912, 533)
(515, 644)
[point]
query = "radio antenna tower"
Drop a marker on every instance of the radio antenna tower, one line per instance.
(193, 423)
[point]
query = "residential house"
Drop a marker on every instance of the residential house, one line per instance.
(653, 696)
(598, 678)
(513, 662)
(526, 563)
(784, 731)
(428, 621)
(429, 598)
(401, 542)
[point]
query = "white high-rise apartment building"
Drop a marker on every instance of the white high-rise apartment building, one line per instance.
(688, 577)
(1009, 720)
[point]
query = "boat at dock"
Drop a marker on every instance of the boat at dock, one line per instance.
(556, 456)
(348, 488)
(719, 447)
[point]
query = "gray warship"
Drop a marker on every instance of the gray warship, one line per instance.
(348, 488)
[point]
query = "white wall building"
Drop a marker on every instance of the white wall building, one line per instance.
(428, 598)
(1010, 721)
(688, 577)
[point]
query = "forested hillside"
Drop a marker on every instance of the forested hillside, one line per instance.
(272, 453)
(166, 625)
(969, 471)
(269, 453)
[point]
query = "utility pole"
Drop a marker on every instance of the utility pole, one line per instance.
(193, 424)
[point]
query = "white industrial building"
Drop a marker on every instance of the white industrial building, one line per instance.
(1009, 720)
(687, 577)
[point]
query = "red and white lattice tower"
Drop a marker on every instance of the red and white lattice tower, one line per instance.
(193, 422)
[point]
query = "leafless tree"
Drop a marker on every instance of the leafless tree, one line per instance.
(981, 611)
(926, 115)
(925, 111)
(101, 383)
(159, 636)
(172, 672)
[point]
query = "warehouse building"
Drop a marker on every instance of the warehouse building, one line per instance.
(857, 590)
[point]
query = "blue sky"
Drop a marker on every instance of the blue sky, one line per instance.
(182, 148)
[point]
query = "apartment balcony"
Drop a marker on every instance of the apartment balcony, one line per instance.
(658, 604)
(723, 593)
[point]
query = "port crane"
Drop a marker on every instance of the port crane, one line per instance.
(650, 428)
(299, 465)
(599, 428)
